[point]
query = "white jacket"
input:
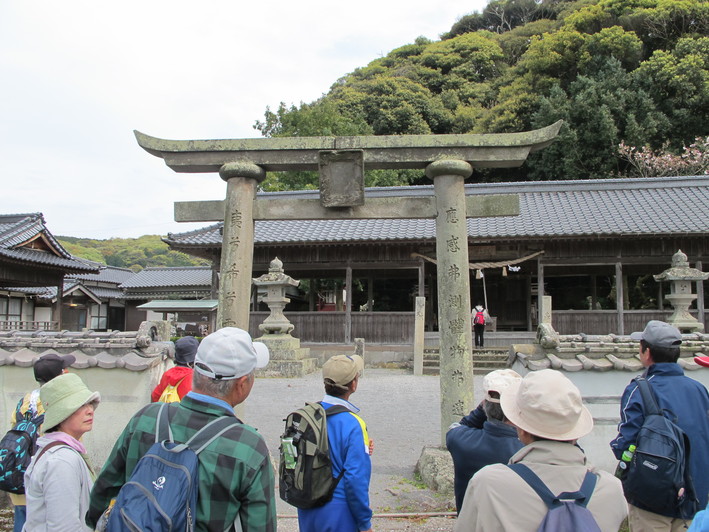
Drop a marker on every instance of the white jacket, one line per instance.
(57, 490)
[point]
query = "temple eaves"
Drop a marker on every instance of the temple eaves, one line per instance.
(492, 150)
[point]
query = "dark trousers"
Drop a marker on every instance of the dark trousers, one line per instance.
(479, 330)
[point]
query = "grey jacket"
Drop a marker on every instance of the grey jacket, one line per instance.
(57, 488)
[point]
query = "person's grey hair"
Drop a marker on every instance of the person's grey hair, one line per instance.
(494, 411)
(215, 387)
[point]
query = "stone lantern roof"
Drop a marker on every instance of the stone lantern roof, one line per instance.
(680, 270)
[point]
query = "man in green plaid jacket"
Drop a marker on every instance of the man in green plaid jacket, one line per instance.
(236, 485)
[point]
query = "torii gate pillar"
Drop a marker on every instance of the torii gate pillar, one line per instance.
(456, 361)
(238, 249)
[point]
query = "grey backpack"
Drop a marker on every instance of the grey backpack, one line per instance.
(567, 511)
(305, 468)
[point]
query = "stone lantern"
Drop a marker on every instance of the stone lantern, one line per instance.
(288, 359)
(681, 277)
(276, 282)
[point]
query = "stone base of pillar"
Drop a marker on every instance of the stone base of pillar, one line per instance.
(435, 466)
(287, 358)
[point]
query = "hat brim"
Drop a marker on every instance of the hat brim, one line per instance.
(262, 354)
(510, 407)
(64, 410)
(637, 336)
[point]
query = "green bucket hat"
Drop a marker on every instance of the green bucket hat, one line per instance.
(62, 396)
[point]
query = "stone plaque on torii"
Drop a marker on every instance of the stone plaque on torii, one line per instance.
(341, 161)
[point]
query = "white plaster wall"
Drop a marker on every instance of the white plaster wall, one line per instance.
(609, 386)
(43, 314)
(123, 392)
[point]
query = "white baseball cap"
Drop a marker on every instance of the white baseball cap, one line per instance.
(498, 381)
(229, 353)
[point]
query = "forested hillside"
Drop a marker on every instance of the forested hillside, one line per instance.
(133, 253)
(616, 71)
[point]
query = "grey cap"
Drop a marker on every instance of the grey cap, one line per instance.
(659, 334)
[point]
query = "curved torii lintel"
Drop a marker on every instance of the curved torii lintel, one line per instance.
(492, 150)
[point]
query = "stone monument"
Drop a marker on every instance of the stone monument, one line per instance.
(681, 277)
(288, 359)
(341, 162)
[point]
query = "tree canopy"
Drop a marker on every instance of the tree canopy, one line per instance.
(132, 253)
(632, 72)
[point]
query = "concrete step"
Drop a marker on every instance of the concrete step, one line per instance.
(484, 361)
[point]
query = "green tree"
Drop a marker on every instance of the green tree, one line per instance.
(598, 112)
(678, 81)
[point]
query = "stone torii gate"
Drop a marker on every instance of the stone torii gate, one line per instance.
(341, 161)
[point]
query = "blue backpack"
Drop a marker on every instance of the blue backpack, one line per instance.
(661, 460)
(567, 511)
(161, 494)
(18, 446)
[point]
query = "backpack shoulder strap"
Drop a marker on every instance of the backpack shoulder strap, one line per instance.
(581, 497)
(210, 432)
(650, 406)
(47, 447)
(163, 430)
(536, 483)
(336, 409)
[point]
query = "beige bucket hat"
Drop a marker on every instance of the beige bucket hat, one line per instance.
(547, 404)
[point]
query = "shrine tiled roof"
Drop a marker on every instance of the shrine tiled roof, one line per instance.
(17, 230)
(589, 208)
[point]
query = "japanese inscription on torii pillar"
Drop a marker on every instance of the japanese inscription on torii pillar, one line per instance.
(341, 161)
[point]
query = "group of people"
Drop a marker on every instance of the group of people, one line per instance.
(236, 481)
(537, 420)
(532, 423)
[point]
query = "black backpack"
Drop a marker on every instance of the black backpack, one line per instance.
(658, 477)
(18, 446)
(566, 511)
(305, 468)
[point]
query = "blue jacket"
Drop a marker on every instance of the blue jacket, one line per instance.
(688, 400)
(478, 442)
(349, 450)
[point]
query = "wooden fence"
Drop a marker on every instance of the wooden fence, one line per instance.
(398, 327)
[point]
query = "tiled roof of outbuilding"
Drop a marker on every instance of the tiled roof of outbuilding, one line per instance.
(107, 274)
(604, 208)
(17, 230)
(169, 277)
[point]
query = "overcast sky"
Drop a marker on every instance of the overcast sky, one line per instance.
(79, 76)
